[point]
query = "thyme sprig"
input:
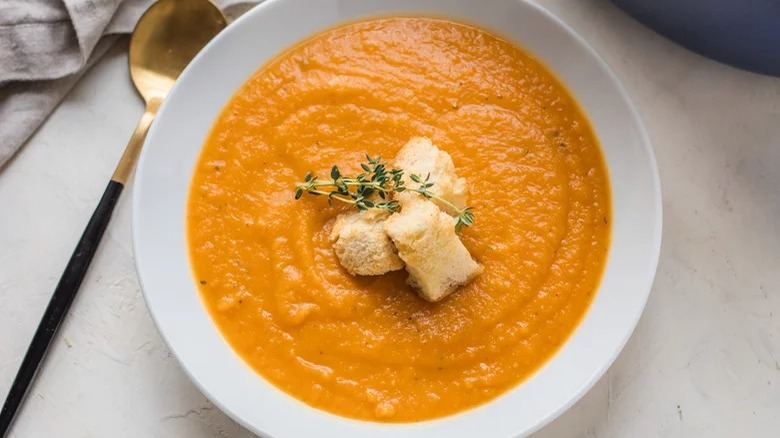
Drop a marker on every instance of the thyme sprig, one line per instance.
(377, 179)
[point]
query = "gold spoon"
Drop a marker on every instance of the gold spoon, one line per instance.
(164, 41)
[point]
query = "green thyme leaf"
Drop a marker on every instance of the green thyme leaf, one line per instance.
(380, 180)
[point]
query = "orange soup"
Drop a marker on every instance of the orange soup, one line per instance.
(369, 347)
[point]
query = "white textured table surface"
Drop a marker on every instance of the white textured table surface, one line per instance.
(704, 361)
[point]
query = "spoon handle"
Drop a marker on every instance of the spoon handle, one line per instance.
(63, 296)
(71, 279)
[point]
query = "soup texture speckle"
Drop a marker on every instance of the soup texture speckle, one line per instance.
(369, 347)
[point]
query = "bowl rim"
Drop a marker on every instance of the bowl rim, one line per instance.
(656, 237)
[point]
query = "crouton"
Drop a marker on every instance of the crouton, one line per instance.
(435, 257)
(361, 244)
(420, 156)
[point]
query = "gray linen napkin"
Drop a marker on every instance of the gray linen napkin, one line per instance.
(45, 47)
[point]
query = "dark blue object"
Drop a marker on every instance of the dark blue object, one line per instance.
(742, 33)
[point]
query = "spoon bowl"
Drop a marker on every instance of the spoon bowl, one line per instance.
(167, 37)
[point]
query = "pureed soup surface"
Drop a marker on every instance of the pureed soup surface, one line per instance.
(369, 347)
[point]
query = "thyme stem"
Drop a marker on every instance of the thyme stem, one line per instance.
(378, 179)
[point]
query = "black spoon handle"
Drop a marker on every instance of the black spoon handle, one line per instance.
(60, 302)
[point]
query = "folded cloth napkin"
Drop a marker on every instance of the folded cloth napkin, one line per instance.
(45, 47)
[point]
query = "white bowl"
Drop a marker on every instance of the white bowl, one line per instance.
(172, 147)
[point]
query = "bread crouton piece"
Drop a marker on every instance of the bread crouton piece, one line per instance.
(420, 156)
(435, 258)
(361, 244)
